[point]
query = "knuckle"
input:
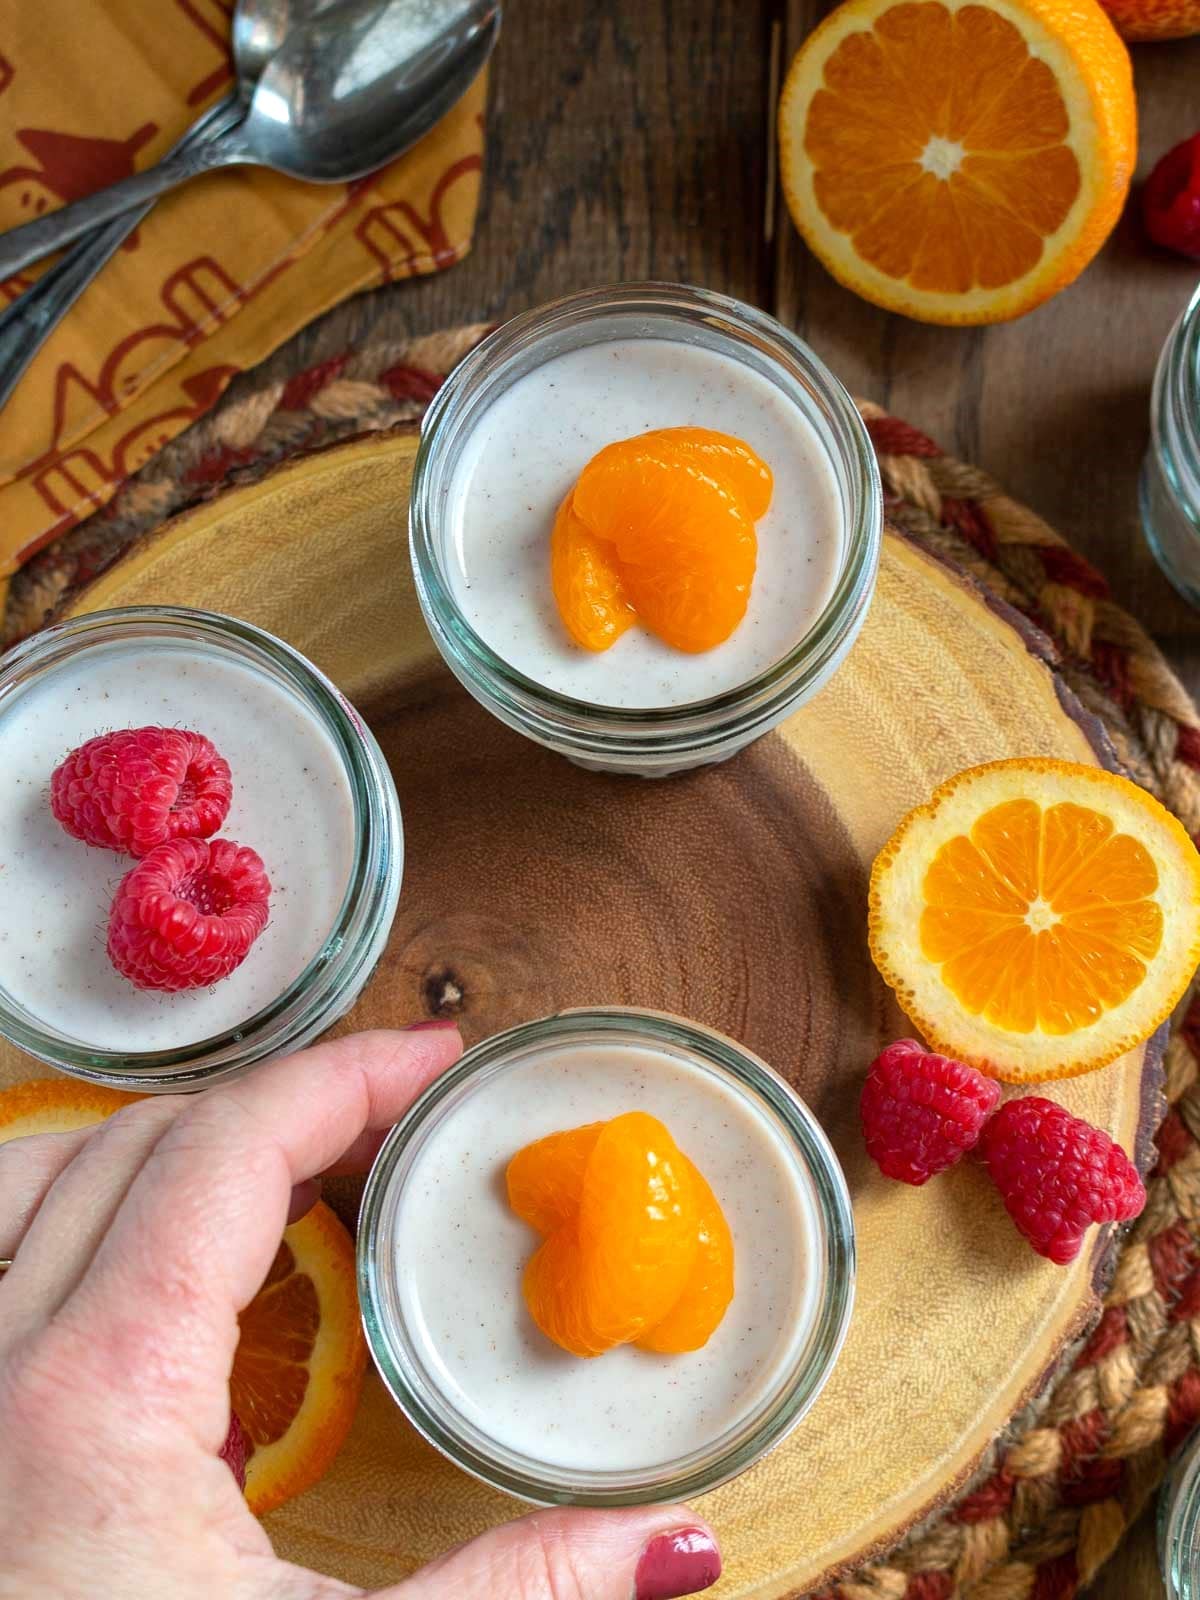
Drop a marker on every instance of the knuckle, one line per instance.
(30, 1163)
(142, 1119)
(548, 1568)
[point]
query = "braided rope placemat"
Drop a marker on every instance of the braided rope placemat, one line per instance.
(1071, 1475)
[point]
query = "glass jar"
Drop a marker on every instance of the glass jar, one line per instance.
(646, 742)
(396, 1334)
(1179, 1524)
(131, 640)
(1169, 490)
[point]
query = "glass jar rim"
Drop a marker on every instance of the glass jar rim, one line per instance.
(757, 698)
(377, 858)
(1187, 370)
(1179, 1523)
(1175, 421)
(700, 1471)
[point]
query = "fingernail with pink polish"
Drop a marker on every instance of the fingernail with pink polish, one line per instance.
(431, 1022)
(683, 1561)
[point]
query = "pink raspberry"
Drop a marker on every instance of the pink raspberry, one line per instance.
(922, 1112)
(186, 915)
(137, 788)
(1058, 1174)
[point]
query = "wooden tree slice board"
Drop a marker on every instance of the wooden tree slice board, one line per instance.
(735, 895)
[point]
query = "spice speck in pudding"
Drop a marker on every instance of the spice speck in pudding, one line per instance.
(528, 449)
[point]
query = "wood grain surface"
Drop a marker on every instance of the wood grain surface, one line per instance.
(682, 897)
(628, 139)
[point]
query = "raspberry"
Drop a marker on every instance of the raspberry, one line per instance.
(135, 789)
(1171, 199)
(922, 1112)
(234, 1451)
(1058, 1174)
(187, 914)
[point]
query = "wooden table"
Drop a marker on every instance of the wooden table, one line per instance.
(629, 139)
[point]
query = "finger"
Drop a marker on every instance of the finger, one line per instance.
(28, 1166)
(195, 1234)
(77, 1210)
(33, 1167)
(558, 1555)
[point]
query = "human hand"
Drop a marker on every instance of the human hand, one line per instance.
(135, 1245)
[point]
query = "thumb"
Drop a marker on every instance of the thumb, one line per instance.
(653, 1554)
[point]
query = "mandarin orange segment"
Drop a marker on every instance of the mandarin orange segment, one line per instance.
(1037, 918)
(693, 604)
(636, 1247)
(660, 528)
(588, 588)
(730, 461)
(555, 1292)
(638, 1226)
(545, 1179)
(695, 1316)
(957, 163)
(655, 504)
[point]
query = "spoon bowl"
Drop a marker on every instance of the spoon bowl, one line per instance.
(259, 29)
(344, 95)
(349, 93)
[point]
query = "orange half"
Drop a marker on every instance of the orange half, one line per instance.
(1037, 918)
(958, 163)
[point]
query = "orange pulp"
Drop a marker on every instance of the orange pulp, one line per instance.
(659, 529)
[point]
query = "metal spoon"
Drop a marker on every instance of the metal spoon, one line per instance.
(259, 29)
(339, 99)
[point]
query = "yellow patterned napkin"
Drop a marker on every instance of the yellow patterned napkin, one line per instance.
(223, 270)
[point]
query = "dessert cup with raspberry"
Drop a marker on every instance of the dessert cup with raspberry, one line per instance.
(441, 1257)
(509, 434)
(313, 811)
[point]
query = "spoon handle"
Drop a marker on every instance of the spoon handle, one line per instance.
(32, 240)
(28, 322)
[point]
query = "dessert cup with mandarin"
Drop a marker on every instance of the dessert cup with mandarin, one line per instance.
(511, 430)
(442, 1256)
(312, 795)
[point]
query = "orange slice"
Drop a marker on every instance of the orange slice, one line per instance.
(660, 529)
(56, 1105)
(1037, 918)
(564, 1288)
(298, 1369)
(959, 163)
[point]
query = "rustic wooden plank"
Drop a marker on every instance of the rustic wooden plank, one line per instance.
(1056, 404)
(626, 139)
